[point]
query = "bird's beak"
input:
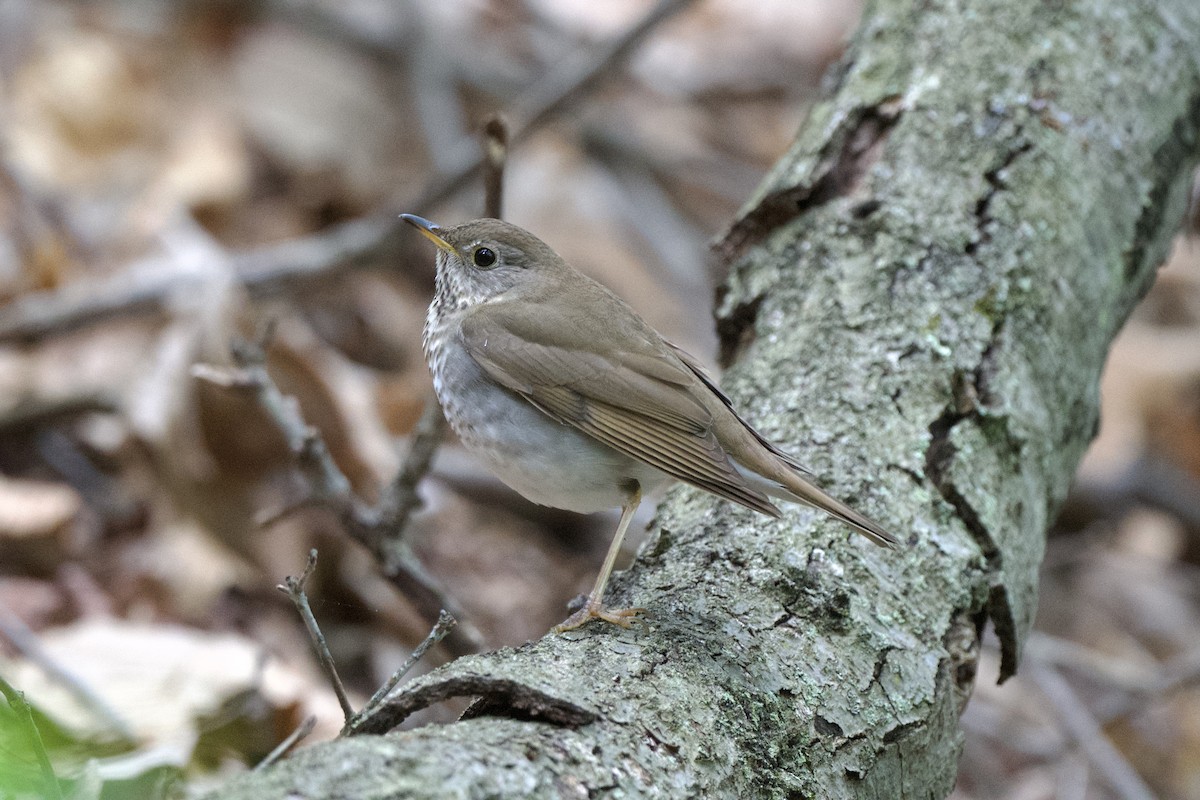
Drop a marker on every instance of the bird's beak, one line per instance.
(430, 231)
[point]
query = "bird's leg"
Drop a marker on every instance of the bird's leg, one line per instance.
(593, 608)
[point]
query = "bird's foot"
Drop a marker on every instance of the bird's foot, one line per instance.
(624, 617)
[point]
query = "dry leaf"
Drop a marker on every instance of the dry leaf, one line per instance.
(161, 680)
(37, 529)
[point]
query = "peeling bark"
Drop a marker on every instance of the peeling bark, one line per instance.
(925, 290)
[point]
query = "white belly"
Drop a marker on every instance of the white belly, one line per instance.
(545, 461)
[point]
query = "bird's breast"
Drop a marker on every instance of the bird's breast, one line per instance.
(548, 462)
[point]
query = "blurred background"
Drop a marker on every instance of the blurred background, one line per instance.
(177, 176)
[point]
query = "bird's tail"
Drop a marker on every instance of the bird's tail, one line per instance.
(787, 482)
(799, 490)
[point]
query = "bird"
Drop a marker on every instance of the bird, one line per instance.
(577, 403)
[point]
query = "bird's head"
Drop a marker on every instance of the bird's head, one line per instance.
(484, 259)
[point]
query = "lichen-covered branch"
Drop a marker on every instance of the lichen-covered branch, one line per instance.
(923, 294)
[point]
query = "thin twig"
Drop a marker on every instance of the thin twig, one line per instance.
(327, 481)
(1081, 726)
(495, 157)
(378, 528)
(293, 738)
(294, 589)
(20, 706)
(26, 642)
(444, 625)
(371, 239)
(400, 498)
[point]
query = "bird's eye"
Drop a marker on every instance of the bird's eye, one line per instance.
(484, 257)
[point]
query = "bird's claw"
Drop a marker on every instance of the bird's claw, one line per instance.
(622, 617)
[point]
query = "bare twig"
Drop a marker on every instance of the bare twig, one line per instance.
(16, 700)
(293, 738)
(444, 625)
(26, 642)
(1081, 726)
(272, 269)
(294, 589)
(400, 499)
(495, 156)
(378, 528)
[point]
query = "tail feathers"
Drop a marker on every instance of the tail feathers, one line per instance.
(863, 524)
(788, 484)
(767, 468)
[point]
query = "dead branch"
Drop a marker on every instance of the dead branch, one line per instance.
(377, 527)
(294, 589)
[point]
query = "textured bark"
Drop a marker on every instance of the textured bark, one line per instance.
(922, 296)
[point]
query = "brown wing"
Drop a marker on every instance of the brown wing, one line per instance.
(701, 373)
(636, 397)
(791, 476)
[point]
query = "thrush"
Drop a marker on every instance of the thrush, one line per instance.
(574, 401)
